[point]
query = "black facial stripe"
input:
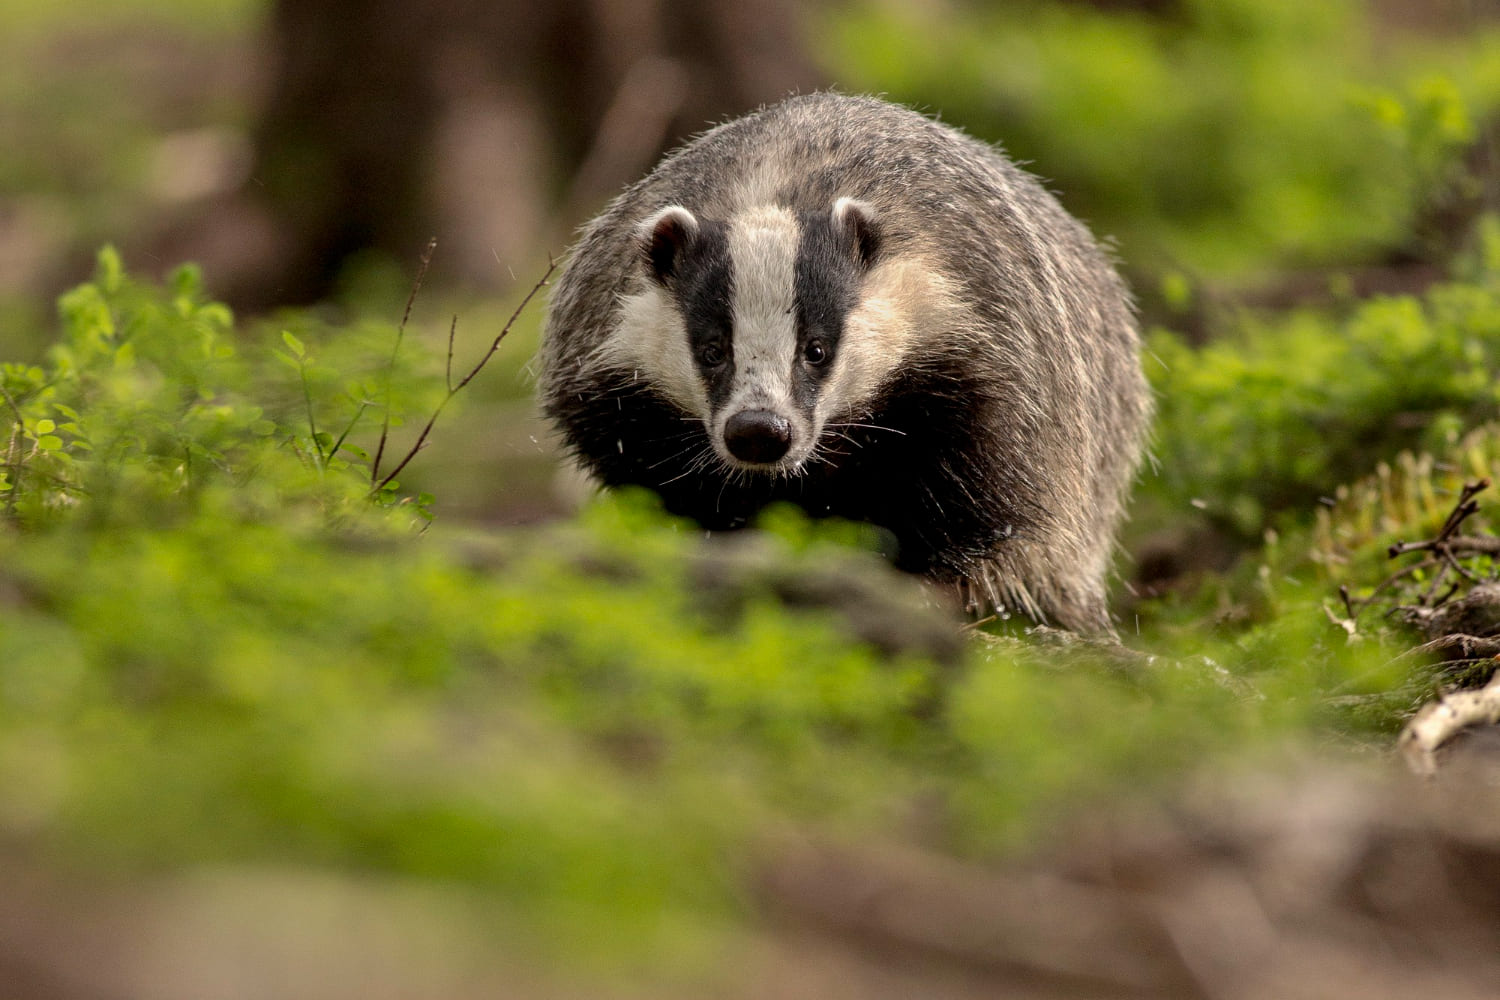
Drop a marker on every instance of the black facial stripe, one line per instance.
(827, 288)
(704, 288)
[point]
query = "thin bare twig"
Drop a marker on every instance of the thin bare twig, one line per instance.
(1482, 545)
(1465, 508)
(1389, 581)
(1443, 548)
(515, 315)
(453, 390)
(385, 428)
(1348, 600)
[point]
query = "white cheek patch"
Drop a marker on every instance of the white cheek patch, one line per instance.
(652, 340)
(903, 301)
(763, 248)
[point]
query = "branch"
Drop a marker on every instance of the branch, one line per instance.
(385, 429)
(1455, 646)
(1440, 721)
(453, 390)
(1465, 508)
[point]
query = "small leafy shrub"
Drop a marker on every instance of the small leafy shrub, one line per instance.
(1256, 427)
(149, 401)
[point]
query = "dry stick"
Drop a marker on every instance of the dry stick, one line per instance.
(1473, 544)
(1440, 721)
(453, 390)
(385, 429)
(1348, 600)
(1457, 646)
(1470, 490)
(1443, 548)
(1383, 584)
(1465, 508)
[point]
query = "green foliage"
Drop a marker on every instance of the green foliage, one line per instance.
(1333, 566)
(1260, 424)
(147, 401)
(1217, 138)
(201, 665)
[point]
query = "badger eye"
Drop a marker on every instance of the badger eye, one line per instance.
(711, 355)
(814, 353)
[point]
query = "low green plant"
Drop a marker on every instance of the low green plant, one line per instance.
(1255, 427)
(150, 398)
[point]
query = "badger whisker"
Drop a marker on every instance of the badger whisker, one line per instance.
(695, 466)
(868, 427)
(674, 456)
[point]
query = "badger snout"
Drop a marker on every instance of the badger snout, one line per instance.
(758, 437)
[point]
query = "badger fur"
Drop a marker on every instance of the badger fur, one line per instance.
(844, 304)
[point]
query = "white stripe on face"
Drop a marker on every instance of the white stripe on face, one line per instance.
(763, 248)
(902, 301)
(652, 339)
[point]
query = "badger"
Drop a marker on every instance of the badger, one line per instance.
(845, 304)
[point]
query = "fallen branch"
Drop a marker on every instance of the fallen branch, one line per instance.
(1447, 648)
(1483, 545)
(1440, 721)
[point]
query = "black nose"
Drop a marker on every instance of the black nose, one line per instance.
(758, 436)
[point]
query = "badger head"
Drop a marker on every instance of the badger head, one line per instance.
(758, 325)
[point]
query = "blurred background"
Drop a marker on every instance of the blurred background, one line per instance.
(1241, 145)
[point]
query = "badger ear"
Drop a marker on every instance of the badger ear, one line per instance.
(664, 237)
(856, 222)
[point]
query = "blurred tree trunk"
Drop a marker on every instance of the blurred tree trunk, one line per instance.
(496, 126)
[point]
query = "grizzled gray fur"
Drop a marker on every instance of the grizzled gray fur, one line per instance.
(847, 305)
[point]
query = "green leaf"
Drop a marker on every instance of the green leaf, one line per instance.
(49, 442)
(298, 350)
(45, 426)
(111, 270)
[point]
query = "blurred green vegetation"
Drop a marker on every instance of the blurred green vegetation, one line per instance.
(220, 645)
(1254, 427)
(1218, 138)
